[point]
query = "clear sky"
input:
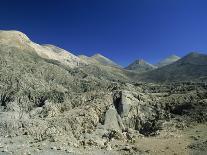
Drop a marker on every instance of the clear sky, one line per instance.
(122, 30)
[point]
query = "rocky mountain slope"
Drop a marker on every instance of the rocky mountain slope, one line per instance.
(21, 41)
(167, 61)
(48, 106)
(140, 66)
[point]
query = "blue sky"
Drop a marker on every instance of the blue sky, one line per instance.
(122, 30)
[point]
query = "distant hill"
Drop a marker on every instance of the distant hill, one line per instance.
(167, 61)
(103, 60)
(191, 67)
(99, 59)
(140, 66)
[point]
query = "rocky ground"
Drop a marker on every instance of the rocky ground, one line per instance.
(134, 119)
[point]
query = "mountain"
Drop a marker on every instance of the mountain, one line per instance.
(103, 60)
(167, 61)
(140, 66)
(10, 40)
(191, 67)
(20, 40)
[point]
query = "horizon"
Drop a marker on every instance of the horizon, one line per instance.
(122, 31)
(188, 53)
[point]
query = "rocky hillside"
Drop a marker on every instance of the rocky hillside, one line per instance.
(191, 67)
(140, 66)
(19, 40)
(167, 61)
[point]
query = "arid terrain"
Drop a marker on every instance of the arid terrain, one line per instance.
(53, 102)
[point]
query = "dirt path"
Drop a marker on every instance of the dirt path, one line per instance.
(188, 141)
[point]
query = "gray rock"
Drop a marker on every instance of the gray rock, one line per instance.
(111, 121)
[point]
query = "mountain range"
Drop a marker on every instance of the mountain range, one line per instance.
(190, 67)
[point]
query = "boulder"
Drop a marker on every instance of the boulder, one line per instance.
(111, 121)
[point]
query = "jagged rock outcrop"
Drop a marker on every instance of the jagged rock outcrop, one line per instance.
(135, 110)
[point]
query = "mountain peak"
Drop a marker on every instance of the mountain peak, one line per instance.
(140, 61)
(191, 66)
(103, 60)
(140, 65)
(13, 33)
(98, 55)
(168, 60)
(193, 54)
(195, 58)
(173, 56)
(13, 38)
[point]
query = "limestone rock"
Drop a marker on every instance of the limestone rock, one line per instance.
(111, 121)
